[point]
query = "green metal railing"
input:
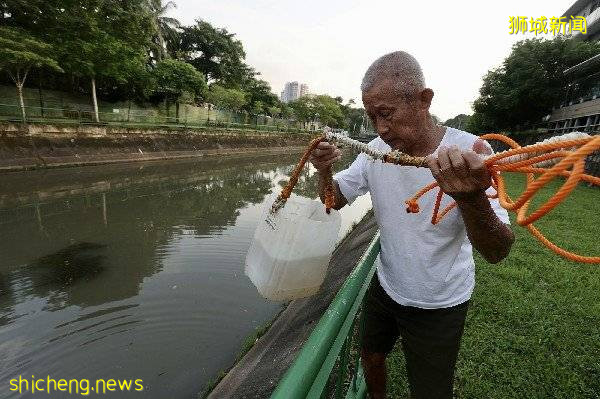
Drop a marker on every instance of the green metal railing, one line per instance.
(328, 363)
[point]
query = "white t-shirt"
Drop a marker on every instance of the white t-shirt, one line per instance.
(420, 264)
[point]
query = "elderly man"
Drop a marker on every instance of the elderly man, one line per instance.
(425, 273)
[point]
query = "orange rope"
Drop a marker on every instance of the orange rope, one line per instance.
(571, 161)
(570, 166)
(287, 190)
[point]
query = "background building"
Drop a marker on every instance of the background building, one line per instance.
(590, 9)
(293, 90)
(580, 110)
(303, 89)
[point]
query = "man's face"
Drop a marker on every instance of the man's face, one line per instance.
(397, 119)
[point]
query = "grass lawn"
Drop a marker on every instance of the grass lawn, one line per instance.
(533, 328)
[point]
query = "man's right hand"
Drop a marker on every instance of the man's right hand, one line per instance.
(325, 155)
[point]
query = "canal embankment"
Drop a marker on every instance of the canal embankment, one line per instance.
(257, 374)
(35, 146)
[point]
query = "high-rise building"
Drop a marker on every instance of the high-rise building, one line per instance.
(293, 90)
(303, 89)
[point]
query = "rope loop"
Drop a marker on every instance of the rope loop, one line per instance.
(566, 159)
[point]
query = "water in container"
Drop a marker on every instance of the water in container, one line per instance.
(291, 250)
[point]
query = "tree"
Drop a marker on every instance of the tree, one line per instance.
(258, 90)
(220, 57)
(105, 56)
(287, 111)
(165, 28)
(176, 79)
(327, 109)
(528, 84)
(93, 39)
(258, 108)
(274, 111)
(213, 51)
(230, 99)
(109, 48)
(19, 53)
(303, 109)
(460, 121)
(355, 118)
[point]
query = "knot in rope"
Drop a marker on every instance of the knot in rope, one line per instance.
(412, 206)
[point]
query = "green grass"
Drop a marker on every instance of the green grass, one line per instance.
(533, 328)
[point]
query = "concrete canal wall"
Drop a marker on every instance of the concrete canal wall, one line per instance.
(42, 146)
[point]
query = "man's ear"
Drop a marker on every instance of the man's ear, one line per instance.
(426, 96)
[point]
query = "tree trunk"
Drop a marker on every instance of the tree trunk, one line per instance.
(40, 93)
(21, 102)
(97, 119)
(161, 47)
(176, 111)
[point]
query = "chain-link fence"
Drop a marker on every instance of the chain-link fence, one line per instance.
(182, 116)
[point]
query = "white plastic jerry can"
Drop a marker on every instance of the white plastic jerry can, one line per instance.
(289, 255)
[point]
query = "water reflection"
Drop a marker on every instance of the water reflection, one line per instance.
(50, 275)
(133, 271)
(144, 211)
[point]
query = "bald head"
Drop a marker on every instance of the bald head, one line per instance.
(398, 67)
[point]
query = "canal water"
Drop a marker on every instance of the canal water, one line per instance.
(135, 271)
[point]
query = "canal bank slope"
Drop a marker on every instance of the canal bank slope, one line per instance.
(256, 375)
(45, 146)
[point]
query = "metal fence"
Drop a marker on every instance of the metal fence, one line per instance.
(188, 117)
(328, 364)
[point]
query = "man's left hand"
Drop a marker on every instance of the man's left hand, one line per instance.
(461, 174)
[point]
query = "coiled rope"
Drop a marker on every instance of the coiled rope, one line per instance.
(558, 156)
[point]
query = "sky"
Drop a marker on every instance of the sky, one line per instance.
(329, 44)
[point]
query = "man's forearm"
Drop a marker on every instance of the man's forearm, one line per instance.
(340, 200)
(490, 237)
